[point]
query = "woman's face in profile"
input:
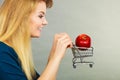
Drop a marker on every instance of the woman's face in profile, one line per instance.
(38, 20)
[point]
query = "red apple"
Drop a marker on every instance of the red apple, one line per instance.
(83, 40)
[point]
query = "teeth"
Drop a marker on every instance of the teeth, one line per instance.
(40, 28)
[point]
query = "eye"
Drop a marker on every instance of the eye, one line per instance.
(41, 16)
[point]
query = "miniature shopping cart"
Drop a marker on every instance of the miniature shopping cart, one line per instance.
(81, 55)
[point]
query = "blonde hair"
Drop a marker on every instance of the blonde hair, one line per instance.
(15, 30)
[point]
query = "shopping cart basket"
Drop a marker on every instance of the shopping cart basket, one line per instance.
(79, 55)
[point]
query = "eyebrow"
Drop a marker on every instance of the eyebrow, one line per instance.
(42, 12)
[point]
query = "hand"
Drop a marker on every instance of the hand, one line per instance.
(61, 42)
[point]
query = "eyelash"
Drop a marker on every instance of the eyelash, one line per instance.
(41, 16)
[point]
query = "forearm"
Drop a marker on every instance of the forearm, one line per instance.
(51, 70)
(60, 44)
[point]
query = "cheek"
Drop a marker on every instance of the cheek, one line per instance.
(34, 23)
(34, 27)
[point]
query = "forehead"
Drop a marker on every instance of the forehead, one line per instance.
(41, 7)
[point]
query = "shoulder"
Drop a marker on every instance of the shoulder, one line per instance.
(8, 55)
(7, 51)
(10, 67)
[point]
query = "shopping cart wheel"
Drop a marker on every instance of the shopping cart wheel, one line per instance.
(90, 65)
(74, 65)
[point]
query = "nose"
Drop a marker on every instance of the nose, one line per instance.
(45, 21)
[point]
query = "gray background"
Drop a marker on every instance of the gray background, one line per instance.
(98, 18)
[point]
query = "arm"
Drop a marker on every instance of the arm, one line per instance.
(61, 42)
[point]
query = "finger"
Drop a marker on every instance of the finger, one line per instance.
(67, 43)
(63, 37)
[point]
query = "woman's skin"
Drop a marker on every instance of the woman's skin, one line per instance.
(61, 42)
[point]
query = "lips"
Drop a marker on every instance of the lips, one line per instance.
(40, 29)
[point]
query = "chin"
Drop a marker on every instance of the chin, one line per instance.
(35, 36)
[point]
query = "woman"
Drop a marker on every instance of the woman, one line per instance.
(21, 20)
